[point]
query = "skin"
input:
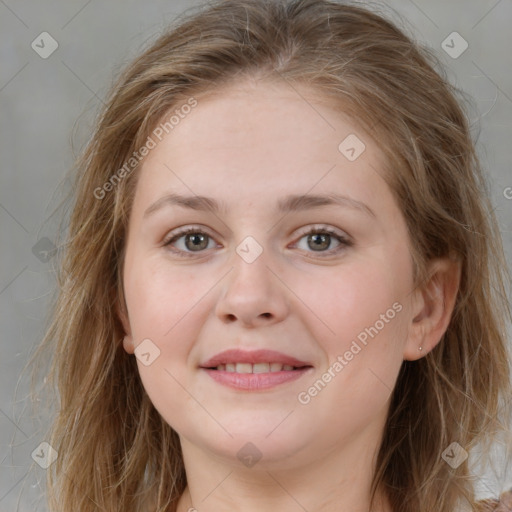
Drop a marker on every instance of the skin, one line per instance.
(249, 145)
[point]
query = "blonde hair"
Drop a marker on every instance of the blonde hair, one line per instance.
(116, 453)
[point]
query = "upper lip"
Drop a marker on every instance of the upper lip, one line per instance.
(253, 357)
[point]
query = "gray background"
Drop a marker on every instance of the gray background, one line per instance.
(47, 102)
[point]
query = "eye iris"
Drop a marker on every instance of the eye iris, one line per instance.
(198, 241)
(321, 241)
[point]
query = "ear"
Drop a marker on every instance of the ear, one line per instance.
(432, 307)
(128, 338)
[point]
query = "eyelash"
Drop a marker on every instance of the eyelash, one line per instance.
(344, 241)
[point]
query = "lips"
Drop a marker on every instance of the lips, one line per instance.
(255, 370)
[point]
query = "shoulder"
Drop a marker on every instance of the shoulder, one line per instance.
(504, 504)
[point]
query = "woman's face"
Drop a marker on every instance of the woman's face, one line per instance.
(317, 323)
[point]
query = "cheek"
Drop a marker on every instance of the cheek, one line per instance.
(360, 302)
(163, 304)
(363, 307)
(159, 298)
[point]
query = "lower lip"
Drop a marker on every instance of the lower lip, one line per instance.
(255, 381)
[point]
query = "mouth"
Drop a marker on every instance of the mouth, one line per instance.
(254, 370)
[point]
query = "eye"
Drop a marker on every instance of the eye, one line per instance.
(320, 238)
(195, 240)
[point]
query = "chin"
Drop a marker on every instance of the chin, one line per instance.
(263, 447)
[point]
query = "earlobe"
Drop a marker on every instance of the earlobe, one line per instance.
(128, 339)
(128, 344)
(433, 306)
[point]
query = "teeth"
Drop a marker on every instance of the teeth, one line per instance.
(261, 368)
(243, 368)
(254, 368)
(276, 367)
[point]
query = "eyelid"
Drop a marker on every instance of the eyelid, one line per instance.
(344, 239)
(324, 228)
(183, 230)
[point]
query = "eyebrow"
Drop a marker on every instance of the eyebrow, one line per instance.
(288, 204)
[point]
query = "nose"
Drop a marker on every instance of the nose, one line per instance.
(253, 294)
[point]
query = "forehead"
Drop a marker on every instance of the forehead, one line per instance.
(255, 138)
(253, 115)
